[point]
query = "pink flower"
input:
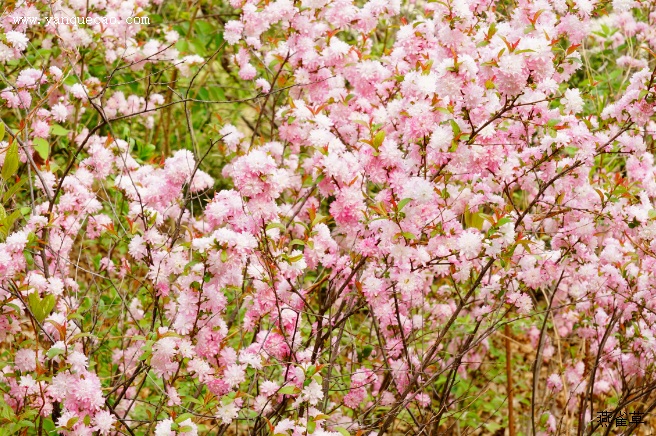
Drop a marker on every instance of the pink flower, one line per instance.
(25, 360)
(137, 247)
(56, 72)
(174, 398)
(30, 77)
(40, 129)
(554, 383)
(269, 388)
(232, 31)
(78, 361)
(247, 72)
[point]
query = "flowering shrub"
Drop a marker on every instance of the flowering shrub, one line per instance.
(327, 217)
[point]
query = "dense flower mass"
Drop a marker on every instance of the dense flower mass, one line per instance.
(327, 217)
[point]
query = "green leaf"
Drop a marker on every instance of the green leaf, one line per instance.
(198, 46)
(343, 431)
(42, 147)
(280, 226)
(182, 45)
(311, 427)
(408, 235)
(13, 190)
(503, 221)
(10, 165)
(48, 425)
(194, 400)
(2, 131)
(27, 424)
(455, 127)
(203, 94)
(378, 139)
(41, 308)
(296, 258)
(48, 304)
(402, 203)
(54, 352)
(553, 122)
(289, 390)
(58, 130)
(8, 222)
(183, 417)
(71, 422)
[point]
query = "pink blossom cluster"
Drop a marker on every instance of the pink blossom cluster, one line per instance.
(421, 186)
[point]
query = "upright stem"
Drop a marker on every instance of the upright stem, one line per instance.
(511, 421)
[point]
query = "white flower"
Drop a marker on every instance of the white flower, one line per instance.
(28, 383)
(622, 5)
(441, 138)
(104, 421)
(59, 112)
(55, 286)
(232, 31)
(573, 101)
(283, 426)
(300, 264)
(584, 6)
(511, 64)
(6, 53)
(17, 241)
(469, 243)
(17, 39)
(164, 428)
(251, 359)
(227, 413)
(79, 91)
(171, 36)
(507, 232)
(193, 429)
(234, 375)
(312, 393)
(200, 367)
(419, 189)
